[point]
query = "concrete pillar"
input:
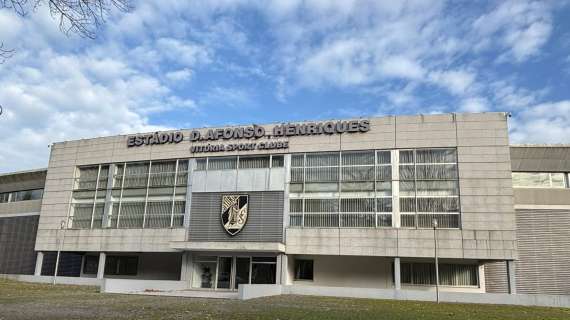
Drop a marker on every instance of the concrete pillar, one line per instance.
(278, 270)
(397, 277)
(101, 266)
(284, 269)
(511, 276)
(187, 267)
(39, 264)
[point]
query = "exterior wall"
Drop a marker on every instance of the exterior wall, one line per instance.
(487, 232)
(488, 218)
(540, 158)
(356, 272)
(17, 238)
(264, 222)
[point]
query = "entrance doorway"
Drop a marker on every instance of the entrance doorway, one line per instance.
(228, 272)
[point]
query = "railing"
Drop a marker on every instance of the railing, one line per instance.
(340, 220)
(425, 220)
(133, 221)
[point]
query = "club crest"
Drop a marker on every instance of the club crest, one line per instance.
(234, 213)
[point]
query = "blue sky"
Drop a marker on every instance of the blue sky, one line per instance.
(184, 64)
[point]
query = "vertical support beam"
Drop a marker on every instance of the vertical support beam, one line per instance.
(511, 276)
(108, 209)
(397, 276)
(286, 203)
(39, 264)
(186, 269)
(278, 269)
(284, 269)
(394, 162)
(188, 207)
(101, 266)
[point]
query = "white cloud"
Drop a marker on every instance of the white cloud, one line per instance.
(521, 28)
(179, 75)
(474, 105)
(458, 82)
(543, 123)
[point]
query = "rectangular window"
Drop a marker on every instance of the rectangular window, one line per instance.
(121, 265)
(90, 264)
(263, 270)
(254, 162)
(456, 275)
(539, 180)
(277, 161)
(429, 188)
(222, 163)
(303, 269)
(15, 196)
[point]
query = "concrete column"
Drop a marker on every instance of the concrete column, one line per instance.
(39, 264)
(397, 277)
(511, 276)
(278, 268)
(101, 266)
(284, 269)
(187, 267)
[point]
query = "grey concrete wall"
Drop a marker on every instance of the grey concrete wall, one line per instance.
(530, 197)
(26, 180)
(541, 158)
(264, 222)
(485, 184)
(17, 239)
(29, 207)
(348, 271)
(268, 179)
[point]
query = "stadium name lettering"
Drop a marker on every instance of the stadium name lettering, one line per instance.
(250, 132)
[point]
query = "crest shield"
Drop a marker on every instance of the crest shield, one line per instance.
(234, 213)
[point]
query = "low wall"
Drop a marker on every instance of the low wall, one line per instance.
(257, 291)
(137, 286)
(49, 279)
(252, 291)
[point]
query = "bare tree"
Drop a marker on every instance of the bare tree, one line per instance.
(83, 17)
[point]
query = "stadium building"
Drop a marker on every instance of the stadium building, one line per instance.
(347, 204)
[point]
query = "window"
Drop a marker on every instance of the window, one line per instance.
(277, 161)
(90, 264)
(429, 188)
(15, 196)
(458, 275)
(121, 266)
(148, 194)
(222, 163)
(263, 270)
(303, 269)
(254, 162)
(539, 180)
(354, 189)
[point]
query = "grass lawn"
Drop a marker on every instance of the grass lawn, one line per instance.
(43, 301)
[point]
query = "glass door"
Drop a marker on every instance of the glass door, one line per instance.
(224, 273)
(242, 271)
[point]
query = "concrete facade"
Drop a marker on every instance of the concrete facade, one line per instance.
(498, 226)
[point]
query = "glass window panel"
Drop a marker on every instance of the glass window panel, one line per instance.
(383, 173)
(322, 159)
(384, 205)
(118, 176)
(297, 174)
(357, 205)
(436, 156)
(263, 273)
(87, 178)
(297, 160)
(303, 269)
(383, 157)
(558, 180)
(182, 175)
(162, 173)
(407, 204)
(437, 188)
(264, 259)
(361, 173)
(296, 187)
(358, 158)
(436, 172)
(296, 205)
(407, 188)
(357, 186)
(200, 164)
(384, 189)
(438, 204)
(408, 220)
(277, 161)
(406, 156)
(82, 213)
(4, 197)
(254, 162)
(222, 163)
(98, 216)
(321, 174)
(136, 175)
(131, 215)
(321, 205)
(407, 172)
(321, 187)
(103, 177)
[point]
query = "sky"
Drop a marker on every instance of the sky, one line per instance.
(187, 64)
